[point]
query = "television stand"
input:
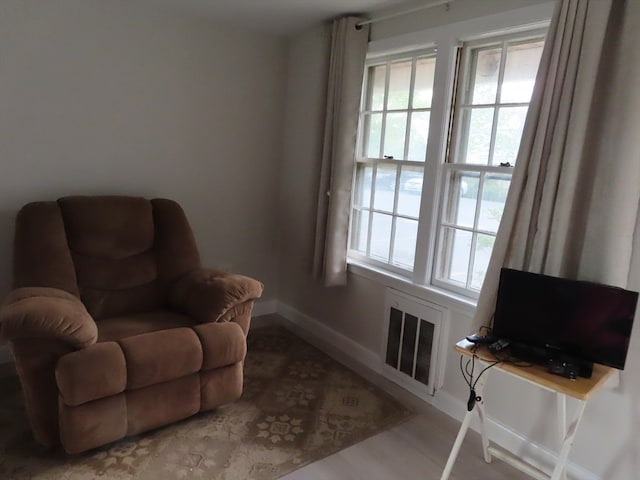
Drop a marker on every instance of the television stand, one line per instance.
(557, 362)
(580, 389)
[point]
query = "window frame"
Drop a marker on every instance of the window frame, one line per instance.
(447, 40)
(361, 159)
(458, 128)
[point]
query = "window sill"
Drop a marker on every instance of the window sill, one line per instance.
(428, 293)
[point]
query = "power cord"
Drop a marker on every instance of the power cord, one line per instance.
(468, 375)
(500, 356)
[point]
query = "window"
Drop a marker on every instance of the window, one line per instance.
(497, 80)
(391, 156)
(444, 228)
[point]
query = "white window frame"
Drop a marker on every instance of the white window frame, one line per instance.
(446, 40)
(458, 131)
(374, 162)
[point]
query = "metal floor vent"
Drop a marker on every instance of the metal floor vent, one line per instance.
(411, 349)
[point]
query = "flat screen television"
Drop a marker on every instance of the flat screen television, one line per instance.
(583, 320)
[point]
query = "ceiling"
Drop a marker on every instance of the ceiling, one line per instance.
(279, 17)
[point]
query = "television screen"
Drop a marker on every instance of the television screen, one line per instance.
(585, 320)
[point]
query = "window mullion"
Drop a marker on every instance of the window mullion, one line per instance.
(383, 129)
(369, 228)
(412, 83)
(444, 75)
(460, 125)
(474, 236)
(372, 194)
(476, 218)
(471, 167)
(487, 105)
(496, 110)
(392, 239)
(374, 174)
(472, 255)
(394, 215)
(503, 61)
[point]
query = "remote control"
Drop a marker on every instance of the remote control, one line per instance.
(482, 339)
(498, 345)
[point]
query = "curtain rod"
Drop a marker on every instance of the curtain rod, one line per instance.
(406, 12)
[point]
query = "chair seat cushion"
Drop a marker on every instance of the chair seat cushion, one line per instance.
(161, 356)
(223, 344)
(95, 372)
(116, 328)
(151, 358)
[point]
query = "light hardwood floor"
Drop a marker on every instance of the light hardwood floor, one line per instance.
(417, 449)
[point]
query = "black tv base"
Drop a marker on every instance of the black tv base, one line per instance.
(557, 362)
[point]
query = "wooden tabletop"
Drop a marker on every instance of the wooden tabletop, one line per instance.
(580, 388)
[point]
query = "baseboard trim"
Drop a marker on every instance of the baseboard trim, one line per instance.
(318, 334)
(264, 307)
(311, 330)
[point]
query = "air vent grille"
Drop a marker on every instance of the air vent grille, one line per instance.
(413, 330)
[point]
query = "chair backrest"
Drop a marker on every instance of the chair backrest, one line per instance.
(118, 254)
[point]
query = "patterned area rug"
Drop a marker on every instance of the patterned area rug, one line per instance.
(298, 406)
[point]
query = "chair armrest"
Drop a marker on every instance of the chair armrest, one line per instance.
(39, 312)
(208, 294)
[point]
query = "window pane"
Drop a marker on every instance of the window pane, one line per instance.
(394, 135)
(494, 196)
(360, 230)
(410, 191)
(375, 97)
(364, 176)
(423, 87)
(381, 236)
(457, 248)
(484, 246)
(486, 64)
(479, 122)
(520, 71)
(463, 194)
(372, 135)
(404, 246)
(418, 134)
(508, 134)
(399, 83)
(385, 187)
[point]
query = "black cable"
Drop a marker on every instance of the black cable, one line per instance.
(468, 375)
(484, 370)
(469, 368)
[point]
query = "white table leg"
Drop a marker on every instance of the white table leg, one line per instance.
(568, 441)
(561, 424)
(456, 446)
(481, 414)
(455, 450)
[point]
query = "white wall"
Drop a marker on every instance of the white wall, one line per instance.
(606, 447)
(113, 97)
(341, 309)
(455, 11)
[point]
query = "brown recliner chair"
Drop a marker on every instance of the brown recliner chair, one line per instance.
(114, 325)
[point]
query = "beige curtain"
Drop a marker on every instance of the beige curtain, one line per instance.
(346, 69)
(573, 203)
